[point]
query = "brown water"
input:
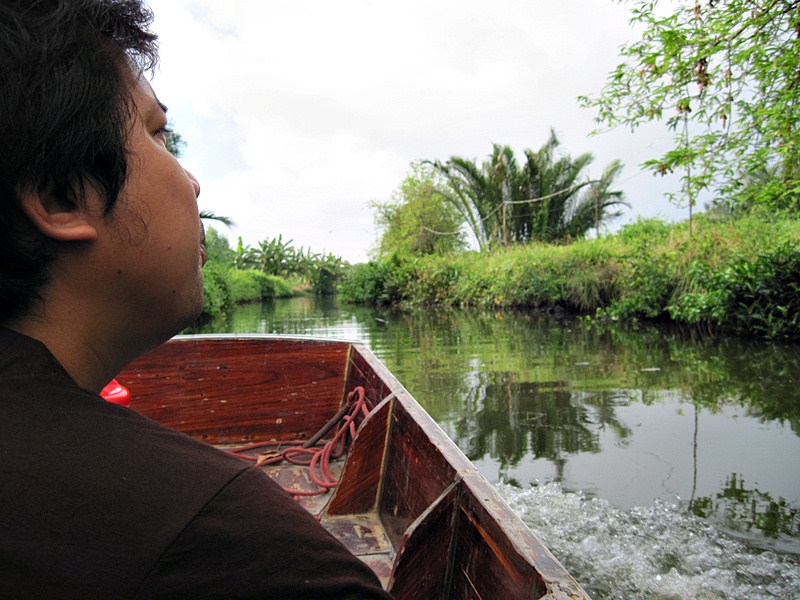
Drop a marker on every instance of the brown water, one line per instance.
(664, 462)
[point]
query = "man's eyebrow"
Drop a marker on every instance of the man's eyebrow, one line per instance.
(163, 107)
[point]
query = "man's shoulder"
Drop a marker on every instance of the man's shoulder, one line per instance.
(105, 490)
(21, 355)
(91, 435)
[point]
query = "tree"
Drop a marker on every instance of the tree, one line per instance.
(548, 199)
(725, 78)
(217, 248)
(418, 219)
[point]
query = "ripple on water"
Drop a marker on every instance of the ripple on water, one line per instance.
(659, 552)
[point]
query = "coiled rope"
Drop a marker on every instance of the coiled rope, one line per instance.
(310, 453)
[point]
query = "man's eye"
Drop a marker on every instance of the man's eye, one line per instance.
(164, 131)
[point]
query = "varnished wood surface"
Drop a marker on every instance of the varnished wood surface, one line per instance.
(416, 474)
(418, 572)
(451, 535)
(233, 390)
(361, 483)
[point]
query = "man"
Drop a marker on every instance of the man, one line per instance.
(100, 260)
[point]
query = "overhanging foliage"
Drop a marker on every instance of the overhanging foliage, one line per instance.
(724, 76)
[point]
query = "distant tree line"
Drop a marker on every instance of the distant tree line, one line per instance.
(500, 202)
(318, 272)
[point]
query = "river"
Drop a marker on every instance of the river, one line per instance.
(654, 463)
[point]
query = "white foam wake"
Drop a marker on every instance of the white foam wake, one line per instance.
(655, 553)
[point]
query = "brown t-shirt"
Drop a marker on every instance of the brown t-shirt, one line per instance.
(97, 501)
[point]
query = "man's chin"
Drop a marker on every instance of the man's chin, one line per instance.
(192, 318)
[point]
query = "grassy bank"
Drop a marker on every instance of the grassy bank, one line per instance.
(734, 275)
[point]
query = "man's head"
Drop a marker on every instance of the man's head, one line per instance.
(65, 112)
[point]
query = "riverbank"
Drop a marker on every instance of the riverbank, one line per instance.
(224, 287)
(272, 269)
(735, 275)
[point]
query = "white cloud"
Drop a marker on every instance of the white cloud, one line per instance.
(297, 114)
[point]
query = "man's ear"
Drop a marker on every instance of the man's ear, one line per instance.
(67, 224)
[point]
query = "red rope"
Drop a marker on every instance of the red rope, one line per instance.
(318, 457)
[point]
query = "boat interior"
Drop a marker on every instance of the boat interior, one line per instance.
(407, 502)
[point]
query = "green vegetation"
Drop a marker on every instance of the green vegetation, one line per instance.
(724, 78)
(548, 199)
(737, 275)
(274, 269)
(418, 220)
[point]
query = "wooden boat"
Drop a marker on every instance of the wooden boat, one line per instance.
(407, 502)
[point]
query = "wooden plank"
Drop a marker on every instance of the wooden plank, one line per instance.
(365, 371)
(233, 390)
(423, 565)
(415, 475)
(486, 564)
(360, 484)
(361, 534)
(528, 564)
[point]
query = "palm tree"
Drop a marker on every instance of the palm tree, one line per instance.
(211, 215)
(475, 194)
(548, 199)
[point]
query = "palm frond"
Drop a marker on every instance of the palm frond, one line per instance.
(210, 215)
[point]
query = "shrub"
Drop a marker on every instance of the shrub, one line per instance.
(249, 285)
(765, 298)
(245, 285)
(273, 286)
(217, 291)
(365, 283)
(377, 282)
(326, 273)
(760, 296)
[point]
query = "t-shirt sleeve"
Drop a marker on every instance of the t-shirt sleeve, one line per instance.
(254, 541)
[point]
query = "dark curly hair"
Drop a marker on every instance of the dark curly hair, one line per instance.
(65, 107)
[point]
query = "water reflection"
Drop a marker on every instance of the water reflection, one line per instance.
(509, 419)
(746, 509)
(624, 414)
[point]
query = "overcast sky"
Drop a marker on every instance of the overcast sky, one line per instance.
(298, 113)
